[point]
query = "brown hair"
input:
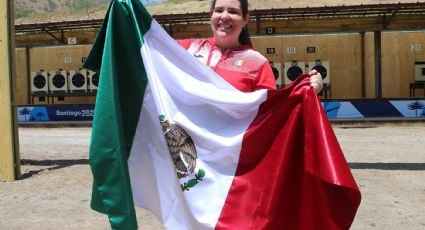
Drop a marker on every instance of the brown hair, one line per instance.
(244, 37)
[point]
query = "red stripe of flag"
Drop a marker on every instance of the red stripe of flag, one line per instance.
(292, 173)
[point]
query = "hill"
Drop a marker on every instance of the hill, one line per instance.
(32, 11)
(56, 10)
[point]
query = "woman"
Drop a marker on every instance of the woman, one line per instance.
(229, 52)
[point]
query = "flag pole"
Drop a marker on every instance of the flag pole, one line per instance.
(9, 143)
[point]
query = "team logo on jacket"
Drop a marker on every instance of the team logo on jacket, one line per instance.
(238, 62)
(183, 153)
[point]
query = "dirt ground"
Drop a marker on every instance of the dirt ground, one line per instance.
(387, 160)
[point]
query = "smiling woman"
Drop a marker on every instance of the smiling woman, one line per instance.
(228, 23)
(229, 51)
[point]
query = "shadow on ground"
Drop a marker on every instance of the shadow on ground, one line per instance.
(388, 166)
(50, 165)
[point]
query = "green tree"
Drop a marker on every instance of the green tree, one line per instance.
(80, 4)
(23, 11)
(52, 5)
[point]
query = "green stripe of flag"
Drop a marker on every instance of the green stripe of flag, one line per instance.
(116, 55)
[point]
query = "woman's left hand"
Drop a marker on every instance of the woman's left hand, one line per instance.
(316, 80)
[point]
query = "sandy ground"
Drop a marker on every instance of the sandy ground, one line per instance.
(387, 160)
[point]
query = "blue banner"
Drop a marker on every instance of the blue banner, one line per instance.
(55, 113)
(355, 109)
(370, 108)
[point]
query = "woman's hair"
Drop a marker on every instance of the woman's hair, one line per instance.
(244, 37)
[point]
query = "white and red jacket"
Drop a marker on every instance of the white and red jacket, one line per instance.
(243, 67)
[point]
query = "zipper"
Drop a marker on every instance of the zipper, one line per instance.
(223, 56)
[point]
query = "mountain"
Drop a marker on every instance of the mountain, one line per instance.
(28, 8)
(40, 10)
(33, 11)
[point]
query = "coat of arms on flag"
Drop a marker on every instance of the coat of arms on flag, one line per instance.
(183, 153)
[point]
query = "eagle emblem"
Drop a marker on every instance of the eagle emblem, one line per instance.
(181, 146)
(183, 152)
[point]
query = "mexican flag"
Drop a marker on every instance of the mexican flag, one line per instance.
(171, 136)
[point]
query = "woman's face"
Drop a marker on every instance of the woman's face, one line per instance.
(227, 21)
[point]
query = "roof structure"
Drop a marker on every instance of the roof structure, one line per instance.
(196, 6)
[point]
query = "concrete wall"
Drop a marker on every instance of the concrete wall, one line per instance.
(400, 51)
(343, 53)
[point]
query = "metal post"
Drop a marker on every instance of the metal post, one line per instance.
(9, 144)
(363, 63)
(378, 65)
(30, 98)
